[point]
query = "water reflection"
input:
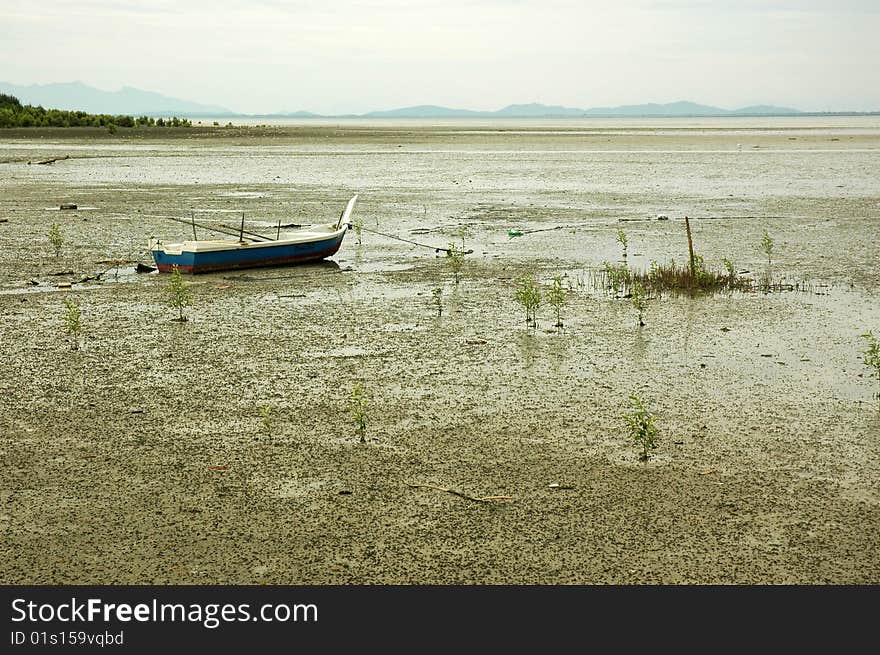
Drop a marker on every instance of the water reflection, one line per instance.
(527, 343)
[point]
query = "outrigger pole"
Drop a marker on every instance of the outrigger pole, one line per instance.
(222, 229)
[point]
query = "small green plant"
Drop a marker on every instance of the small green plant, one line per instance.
(641, 427)
(528, 294)
(617, 277)
(266, 413)
(56, 239)
(73, 322)
(872, 354)
(556, 298)
(462, 233)
(178, 293)
(767, 247)
(455, 259)
(437, 299)
(621, 239)
(640, 301)
(358, 226)
(729, 267)
(358, 408)
(111, 128)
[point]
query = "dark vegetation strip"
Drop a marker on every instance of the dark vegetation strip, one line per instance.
(15, 114)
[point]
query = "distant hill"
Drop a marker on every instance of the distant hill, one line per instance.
(536, 110)
(291, 114)
(424, 111)
(80, 97)
(128, 100)
(765, 110)
(681, 108)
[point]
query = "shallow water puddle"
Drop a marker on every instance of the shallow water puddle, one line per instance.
(123, 274)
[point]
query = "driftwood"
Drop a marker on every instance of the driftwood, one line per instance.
(483, 499)
(117, 262)
(50, 161)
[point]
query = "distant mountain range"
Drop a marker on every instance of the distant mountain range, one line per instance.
(79, 96)
(535, 110)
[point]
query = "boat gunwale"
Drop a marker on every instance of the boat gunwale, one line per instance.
(215, 245)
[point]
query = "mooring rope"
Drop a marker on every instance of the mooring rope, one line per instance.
(415, 243)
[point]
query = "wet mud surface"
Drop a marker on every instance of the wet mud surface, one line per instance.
(143, 457)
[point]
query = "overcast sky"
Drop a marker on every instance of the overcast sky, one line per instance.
(343, 56)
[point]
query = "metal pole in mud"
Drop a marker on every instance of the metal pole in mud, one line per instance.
(193, 216)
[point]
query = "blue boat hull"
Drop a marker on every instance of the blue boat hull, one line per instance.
(248, 256)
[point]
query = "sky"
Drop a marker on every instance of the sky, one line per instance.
(343, 56)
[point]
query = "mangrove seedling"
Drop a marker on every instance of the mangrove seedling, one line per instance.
(617, 277)
(56, 239)
(872, 354)
(729, 267)
(455, 259)
(358, 226)
(528, 294)
(178, 293)
(73, 322)
(437, 298)
(639, 301)
(767, 247)
(621, 239)
(641, 428)
(266, 416)
(556, 298)
(358, 407)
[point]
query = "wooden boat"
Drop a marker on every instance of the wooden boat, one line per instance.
(309, 243)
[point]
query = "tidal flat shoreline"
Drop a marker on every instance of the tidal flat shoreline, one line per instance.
(143, 457)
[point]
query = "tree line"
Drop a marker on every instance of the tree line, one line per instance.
(15, 114)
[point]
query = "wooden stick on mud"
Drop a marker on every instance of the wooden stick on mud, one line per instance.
(687, 226)
(484, 499)
(52, 161)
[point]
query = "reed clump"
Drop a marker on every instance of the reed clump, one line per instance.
(673, 279)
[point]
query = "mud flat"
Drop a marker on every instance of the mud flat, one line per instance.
(143, 457)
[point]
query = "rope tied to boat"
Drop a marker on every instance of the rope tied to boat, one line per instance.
(415, 243)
